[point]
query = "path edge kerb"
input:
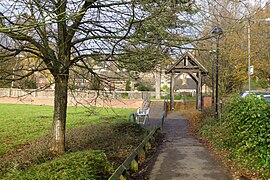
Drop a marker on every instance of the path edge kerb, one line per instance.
(126, 165)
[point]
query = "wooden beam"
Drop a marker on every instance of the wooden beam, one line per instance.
(183, 70)
(187, 67)
(178, 75)
(195, 78)
(172, 92)
(199, 92)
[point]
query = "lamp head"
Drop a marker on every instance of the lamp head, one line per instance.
(217, 31)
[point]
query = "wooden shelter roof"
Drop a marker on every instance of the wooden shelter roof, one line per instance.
(187, 64)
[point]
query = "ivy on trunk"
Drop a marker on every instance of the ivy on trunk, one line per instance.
(57, 143)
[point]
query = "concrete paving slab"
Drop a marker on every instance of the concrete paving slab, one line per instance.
(182, 156)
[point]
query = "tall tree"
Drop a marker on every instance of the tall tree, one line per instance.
(61, 34)
(232, 17)
(259, 43)
(165, 28)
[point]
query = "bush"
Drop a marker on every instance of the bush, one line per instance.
(244, 130)
(128, 86)
(248, 124)
(143, 87)
(108, 142)
(79, 165)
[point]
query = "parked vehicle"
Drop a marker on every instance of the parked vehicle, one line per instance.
(246, 93)
(267, 98)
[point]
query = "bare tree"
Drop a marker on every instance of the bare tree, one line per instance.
(232, 17)
(60, 34)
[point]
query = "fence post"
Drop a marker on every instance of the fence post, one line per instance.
(9, 92)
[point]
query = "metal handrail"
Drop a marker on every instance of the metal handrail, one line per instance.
(164, 113)
(163, 119)
(146, 102)
(125, 166)
(165, 105)
(134, 117)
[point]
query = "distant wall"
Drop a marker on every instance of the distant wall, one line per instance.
(49, 93)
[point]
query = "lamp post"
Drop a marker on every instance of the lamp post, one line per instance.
(217, 31)
(212, 52)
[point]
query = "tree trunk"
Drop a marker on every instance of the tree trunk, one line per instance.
(57, 143)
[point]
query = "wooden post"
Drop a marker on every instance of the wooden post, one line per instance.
(188, 64)
(148, 146)
(198, 81)
(199, 92)
(122, 177)
(172, 92)
(134, 165)
(141, 156)
(9, 92)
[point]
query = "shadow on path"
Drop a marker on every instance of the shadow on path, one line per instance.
(181, 156)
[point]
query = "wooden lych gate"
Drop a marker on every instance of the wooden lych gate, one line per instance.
(190, 65)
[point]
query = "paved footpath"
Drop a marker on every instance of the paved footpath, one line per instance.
(183, 157)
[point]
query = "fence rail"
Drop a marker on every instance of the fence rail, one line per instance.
(137, 157)
(49, 93)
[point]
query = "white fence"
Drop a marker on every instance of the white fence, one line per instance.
(49, 93)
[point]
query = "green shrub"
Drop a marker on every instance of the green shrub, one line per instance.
(248, 127)
(79, 165)
(244, 130)
(165, 88)
(124, 95)
(117, 141)
(143, 87)
(128, 86)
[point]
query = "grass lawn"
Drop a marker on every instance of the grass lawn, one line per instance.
(20, 124)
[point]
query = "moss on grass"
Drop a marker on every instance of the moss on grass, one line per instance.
(78, 165)
(115, 141)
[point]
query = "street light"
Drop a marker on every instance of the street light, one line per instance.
(212, 52)
(217, 31)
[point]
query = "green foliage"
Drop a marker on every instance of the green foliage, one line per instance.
(79, 165)
(255, 84)
(155, 36)
(124, 96)
(28, 83)
(247, 124)
(244, 131)
(263, 84)
(178, 97)
(143, 87)
(5, 83)
(111, 138)
(128, 87)
(96, 84)
(142, 59)
(165, 88)
(34, 160)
